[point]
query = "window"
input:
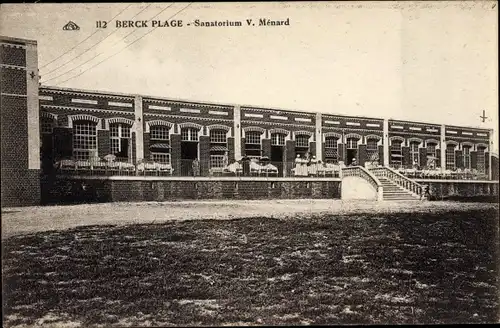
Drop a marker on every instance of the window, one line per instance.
(372, 149)
(372, 144)
(252, 138)
(120, 139)
(252, 144)
(302, 141)
(466, 155)
(218, 136)
(433, 155)
(84, 140)
(396, 153)
(331, 148)
(450, 157)
(189, 134)
(431, 149)
(163, 158)
(277, 139)
(46, 125)
(217, 161)
(414, 155)
(352, 143)
(481, 160)
(159, 132)
(331, 142)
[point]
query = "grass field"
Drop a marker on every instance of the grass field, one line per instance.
(425, 267)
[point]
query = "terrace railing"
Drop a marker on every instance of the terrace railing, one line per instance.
(458, 174)
(189, 168)
(361, 172)
(399, 179)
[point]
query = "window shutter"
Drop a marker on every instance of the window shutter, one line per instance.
(63, 143)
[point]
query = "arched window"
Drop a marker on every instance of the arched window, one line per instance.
(253, 144)
(302, 141)
(301, 144)
(414, 155)
(352, 143)
(466, 156)
(396, 152)
(189, 134)
(159, 137)
(372, 149)
(84, 140)
(331, 149)
(450, 157)
(433, 156)
(218, 136)
(46, 125)
(481, 159)
(218, 148)
(120, 139)
(277, 139)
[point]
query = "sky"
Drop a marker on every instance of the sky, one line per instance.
(429, 62)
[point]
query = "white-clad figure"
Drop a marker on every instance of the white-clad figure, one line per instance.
(313, 168)
(303, 167)
(298, 162)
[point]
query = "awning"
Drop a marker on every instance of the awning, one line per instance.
(331, 153)
(160, 146)
(218, 148)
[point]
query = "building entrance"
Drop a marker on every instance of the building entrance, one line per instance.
(351, 153)
(189, 152)
(277, 153)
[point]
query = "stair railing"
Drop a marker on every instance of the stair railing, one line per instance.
(361, 172)
(399, 179)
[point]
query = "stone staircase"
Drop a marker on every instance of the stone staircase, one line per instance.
(392, 191)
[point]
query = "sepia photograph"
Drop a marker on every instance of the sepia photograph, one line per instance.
(249, 163)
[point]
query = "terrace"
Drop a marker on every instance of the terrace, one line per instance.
(262, 167)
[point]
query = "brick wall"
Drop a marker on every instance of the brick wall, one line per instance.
(103, 190)
(266, 147)
(473, 160)
(459, 160)
(381, 155)
(312, 148)
(14, 123)
(230, 147)
(362, 155)
(422, 154)
(13, 80)
(175, 152)
(103, 143)
(204, 155)
(20, 187)
(406, 156)
(290, 151)
(341, 151)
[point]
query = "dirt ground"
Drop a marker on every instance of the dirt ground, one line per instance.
(23, 220)
(322, 262)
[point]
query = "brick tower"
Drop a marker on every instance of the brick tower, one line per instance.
(20, 138)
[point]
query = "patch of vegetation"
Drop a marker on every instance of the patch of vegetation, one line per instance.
(399, 268)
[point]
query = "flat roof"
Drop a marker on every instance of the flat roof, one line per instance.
(16, 40)
(112, 93)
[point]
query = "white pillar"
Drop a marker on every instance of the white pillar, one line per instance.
(442, 147)
(490, 149)
(385, 142)
(139, 129)
(319, 138)
(237, 132)
(33, 109)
